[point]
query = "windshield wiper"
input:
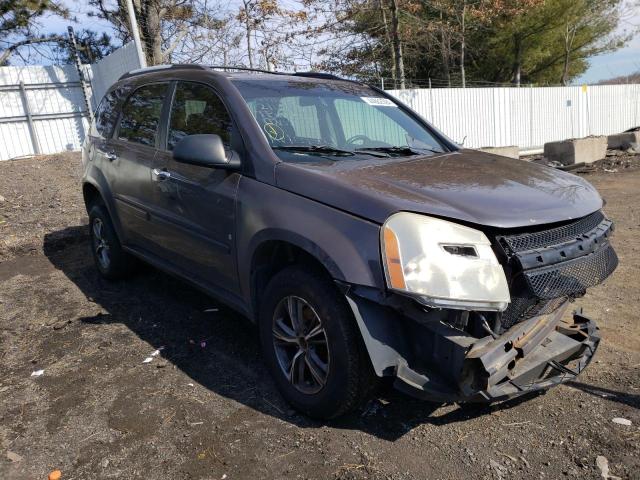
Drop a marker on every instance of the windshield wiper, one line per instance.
(400, 150)
(393, 149)
(315, 149)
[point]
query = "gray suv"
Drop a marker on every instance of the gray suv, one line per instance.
(362, 242)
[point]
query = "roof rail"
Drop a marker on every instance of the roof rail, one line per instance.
(328, 76)
(244, 69)
(138, 71)
(153, 68)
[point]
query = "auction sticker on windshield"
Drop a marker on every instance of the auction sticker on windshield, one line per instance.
(378, 101)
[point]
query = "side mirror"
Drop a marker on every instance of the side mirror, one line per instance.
(205, 150)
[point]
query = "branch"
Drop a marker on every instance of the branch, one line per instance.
(180, 35)
(4, 56)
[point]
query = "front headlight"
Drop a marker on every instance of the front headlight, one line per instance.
(442, 264)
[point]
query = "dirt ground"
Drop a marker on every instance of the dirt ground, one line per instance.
(205, 408)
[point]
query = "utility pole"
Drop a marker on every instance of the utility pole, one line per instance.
(136, 33)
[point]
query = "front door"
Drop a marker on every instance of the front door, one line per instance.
(198, 204)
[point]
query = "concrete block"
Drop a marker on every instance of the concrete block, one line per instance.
(622, 141)
(511, 152)
(576, 150)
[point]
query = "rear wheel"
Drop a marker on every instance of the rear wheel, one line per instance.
(109, 257)
(311, 344)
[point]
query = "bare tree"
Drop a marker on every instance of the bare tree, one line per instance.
(397, 44)
(248, 18)
(165, 26)
(587, 25)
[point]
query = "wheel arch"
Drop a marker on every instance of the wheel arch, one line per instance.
(96, 187)
(274, 250)
(91, 193)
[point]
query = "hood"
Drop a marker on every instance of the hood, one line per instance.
(466, 185)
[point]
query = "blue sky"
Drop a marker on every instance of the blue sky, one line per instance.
(621, 62)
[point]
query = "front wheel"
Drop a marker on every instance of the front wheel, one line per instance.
(311, 344)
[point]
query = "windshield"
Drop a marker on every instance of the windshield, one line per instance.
(307, 118)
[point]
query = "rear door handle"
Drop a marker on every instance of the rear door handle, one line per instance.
(111, 156)
(160, 175)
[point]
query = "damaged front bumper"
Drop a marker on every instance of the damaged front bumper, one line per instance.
(433, 361)
(535, 355)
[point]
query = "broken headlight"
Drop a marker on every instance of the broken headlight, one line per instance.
(442, 264)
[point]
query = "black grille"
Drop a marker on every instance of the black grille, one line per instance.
(524, 308)
(574, 276)
(542, 289)
(555, 236)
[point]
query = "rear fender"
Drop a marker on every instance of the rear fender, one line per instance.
(96, 179)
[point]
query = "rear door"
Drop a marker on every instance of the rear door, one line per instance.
(198, 203)
(133, 150)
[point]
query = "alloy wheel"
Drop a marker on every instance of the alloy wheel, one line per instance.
(100, 244)
(301, 344)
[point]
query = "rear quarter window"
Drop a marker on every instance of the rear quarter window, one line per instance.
(106, 115)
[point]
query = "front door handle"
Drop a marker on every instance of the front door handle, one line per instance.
(160, 175)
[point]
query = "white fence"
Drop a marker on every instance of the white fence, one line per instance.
(42, 109)
(47, 113)
(527, 117)
(106, 72)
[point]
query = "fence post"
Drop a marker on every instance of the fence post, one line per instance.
(432, 119)
(83, 83)
(27, 112)
(531, 116)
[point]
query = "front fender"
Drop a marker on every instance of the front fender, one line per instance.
(300, 241)
(348, 246)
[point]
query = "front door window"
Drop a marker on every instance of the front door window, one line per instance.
(197, 109)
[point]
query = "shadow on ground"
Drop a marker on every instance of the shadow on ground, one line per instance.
(612, 395)
(165, 312)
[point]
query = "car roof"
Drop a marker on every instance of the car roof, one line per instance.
(241, 73)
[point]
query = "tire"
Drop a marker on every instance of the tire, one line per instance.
(348, 376)
(110, 259)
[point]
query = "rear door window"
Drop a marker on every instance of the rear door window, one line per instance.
(197, 109)
(141, 113)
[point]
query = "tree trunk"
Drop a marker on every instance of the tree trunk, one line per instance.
(444, 51)
(155, 37)
(565, 69)
(149, 24)
(388, 37)
(568, 43)
(397, 44)
(517, 60)
(462, 44)
(247, 25)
